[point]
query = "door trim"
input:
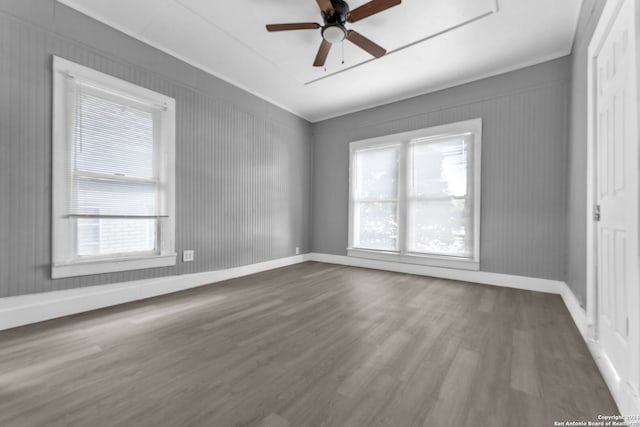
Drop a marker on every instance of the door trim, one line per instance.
(603, 27)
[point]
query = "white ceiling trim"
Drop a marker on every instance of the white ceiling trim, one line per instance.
(189, 61)
(406, 46)
(228, 41)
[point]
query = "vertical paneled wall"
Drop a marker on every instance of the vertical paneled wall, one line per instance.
(243, 165)
(524, 161)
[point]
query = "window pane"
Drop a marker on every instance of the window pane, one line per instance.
(377, 225)
(441, 227)
(116, 198)
(440, 168)
(114, 236)
(113, 138)
(377, 173)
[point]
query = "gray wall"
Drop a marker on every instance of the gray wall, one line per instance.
(243, 165)
(525, 127)
(577, 172)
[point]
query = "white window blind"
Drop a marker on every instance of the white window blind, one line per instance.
(439, 209)
(376, 198)
(115, 175)
(113, 172)
(414, 197)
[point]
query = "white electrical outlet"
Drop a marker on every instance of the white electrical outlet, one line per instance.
(188, 256)
(297, 250)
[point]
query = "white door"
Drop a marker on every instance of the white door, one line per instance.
(617, 191)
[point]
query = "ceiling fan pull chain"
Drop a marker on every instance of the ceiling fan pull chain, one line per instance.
(342, 53)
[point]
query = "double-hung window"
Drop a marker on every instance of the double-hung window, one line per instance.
(415, 196)
(113, 174)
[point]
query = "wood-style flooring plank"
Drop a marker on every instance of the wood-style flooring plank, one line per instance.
(307, 345)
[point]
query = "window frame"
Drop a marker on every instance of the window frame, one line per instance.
(64, 259)
(404, 140)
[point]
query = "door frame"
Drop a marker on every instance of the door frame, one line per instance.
(624, 390)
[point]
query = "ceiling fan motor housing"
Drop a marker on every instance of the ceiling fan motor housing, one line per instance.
(334, 30)
(340, 13)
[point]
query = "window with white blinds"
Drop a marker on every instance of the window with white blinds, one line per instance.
(113, 174)
(415, 196)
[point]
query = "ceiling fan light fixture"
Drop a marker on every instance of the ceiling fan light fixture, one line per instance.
(334, 33)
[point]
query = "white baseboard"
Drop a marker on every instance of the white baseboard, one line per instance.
(622, 392)
(495, 279)
(578, 313)
(26, 309)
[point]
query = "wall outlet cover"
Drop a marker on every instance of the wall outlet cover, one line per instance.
(188, 256)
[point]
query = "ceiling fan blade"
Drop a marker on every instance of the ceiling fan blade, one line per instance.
(371, 8)
(323, 52)
(325, 6)
(366, 44)
(294, 26)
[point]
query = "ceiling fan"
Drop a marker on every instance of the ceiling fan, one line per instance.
(335, 14)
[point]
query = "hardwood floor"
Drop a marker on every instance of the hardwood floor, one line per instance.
(308, 345)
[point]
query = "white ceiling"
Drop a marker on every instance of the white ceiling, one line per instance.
(431, 44)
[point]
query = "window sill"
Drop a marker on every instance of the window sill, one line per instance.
(112, 265)
(432, 261)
